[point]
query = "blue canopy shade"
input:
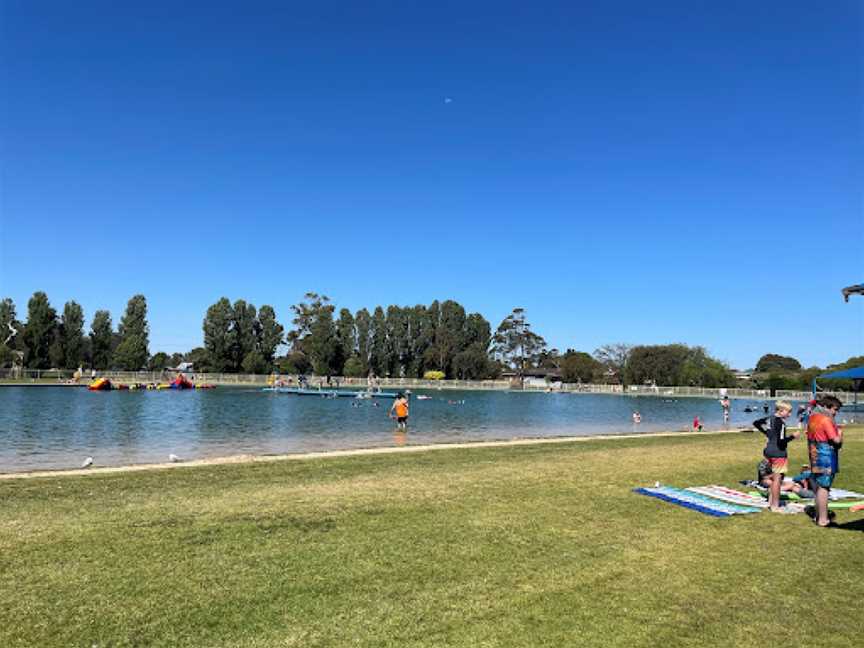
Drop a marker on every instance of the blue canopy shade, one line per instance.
(856, 373)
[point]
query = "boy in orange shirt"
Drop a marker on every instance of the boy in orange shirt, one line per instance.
(824, 440)
(400, 408)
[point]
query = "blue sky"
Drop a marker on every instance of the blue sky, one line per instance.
(626, 171)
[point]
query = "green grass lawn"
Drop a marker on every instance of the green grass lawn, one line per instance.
(540, 545)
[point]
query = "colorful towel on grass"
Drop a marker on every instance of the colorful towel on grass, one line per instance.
(840, 494)
(696, 501)
(834, 495)
(832, 504)
(730, 495)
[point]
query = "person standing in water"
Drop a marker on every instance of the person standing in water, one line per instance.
(726, 405)
(399, 411)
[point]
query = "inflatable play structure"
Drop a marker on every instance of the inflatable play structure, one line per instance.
(180, 382)
(100, 384)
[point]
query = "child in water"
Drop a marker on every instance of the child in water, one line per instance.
(400, 409)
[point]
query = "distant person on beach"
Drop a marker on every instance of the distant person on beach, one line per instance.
(637, 419)
(697, 424)
(399, 411)
(726, 405)
(824, 440)
(774, 427)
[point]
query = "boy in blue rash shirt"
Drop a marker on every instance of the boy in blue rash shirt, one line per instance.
(774, 427)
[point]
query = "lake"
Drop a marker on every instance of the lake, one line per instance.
(57, 427)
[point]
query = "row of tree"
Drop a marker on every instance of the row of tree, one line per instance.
(408, 341)
(47, 340)
(396, 341)
(774, 371)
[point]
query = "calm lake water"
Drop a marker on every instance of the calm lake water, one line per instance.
(57, 427)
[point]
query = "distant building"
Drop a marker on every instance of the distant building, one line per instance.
(182, 367)
(535, 378)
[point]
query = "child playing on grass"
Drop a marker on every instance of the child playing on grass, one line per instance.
(774, 427)
(798, 484)
(824, 440)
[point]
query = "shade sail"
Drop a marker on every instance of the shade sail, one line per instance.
(856, 373)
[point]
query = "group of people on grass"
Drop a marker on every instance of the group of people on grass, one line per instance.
(824, 440)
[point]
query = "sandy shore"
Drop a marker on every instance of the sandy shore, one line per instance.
(249, 458)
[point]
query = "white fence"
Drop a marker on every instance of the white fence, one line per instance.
(129, 377)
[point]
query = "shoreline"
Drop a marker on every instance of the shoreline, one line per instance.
(327, 454)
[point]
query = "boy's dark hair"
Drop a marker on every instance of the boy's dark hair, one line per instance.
(829, 402)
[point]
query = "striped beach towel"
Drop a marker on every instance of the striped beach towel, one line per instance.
(696, 501)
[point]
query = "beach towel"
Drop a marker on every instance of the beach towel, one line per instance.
(730, 495)
(696, 501)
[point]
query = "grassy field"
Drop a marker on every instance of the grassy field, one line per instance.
(525, 546)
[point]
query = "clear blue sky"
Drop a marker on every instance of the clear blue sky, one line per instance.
(641, 172)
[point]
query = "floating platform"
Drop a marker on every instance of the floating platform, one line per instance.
(330, 393)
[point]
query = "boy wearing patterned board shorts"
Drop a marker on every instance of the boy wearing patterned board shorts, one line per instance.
(824, 440)
(774, 427)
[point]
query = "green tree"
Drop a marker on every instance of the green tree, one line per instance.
(295, 362)
(472, 361)
(218, 337)
(159, 361)
(304, 316)
(244, 332)
(773, 362)
(421, 335)
(676, 364)
(353, 368)
(270, 335)
(398, 342)
(56, 354)
(101, 334)
(346, 336)
(313, 334)
(10, 332)
(255, 363)
(39, 331)
(614, 358)
(200, 358)
(701, 369)
(72, 326)
(449, 335)
(515, 344)
(363, 325)
(660, 364)
(133, 351)
(379, 360)
(580, 367)
(175, 359)
(321, 342)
